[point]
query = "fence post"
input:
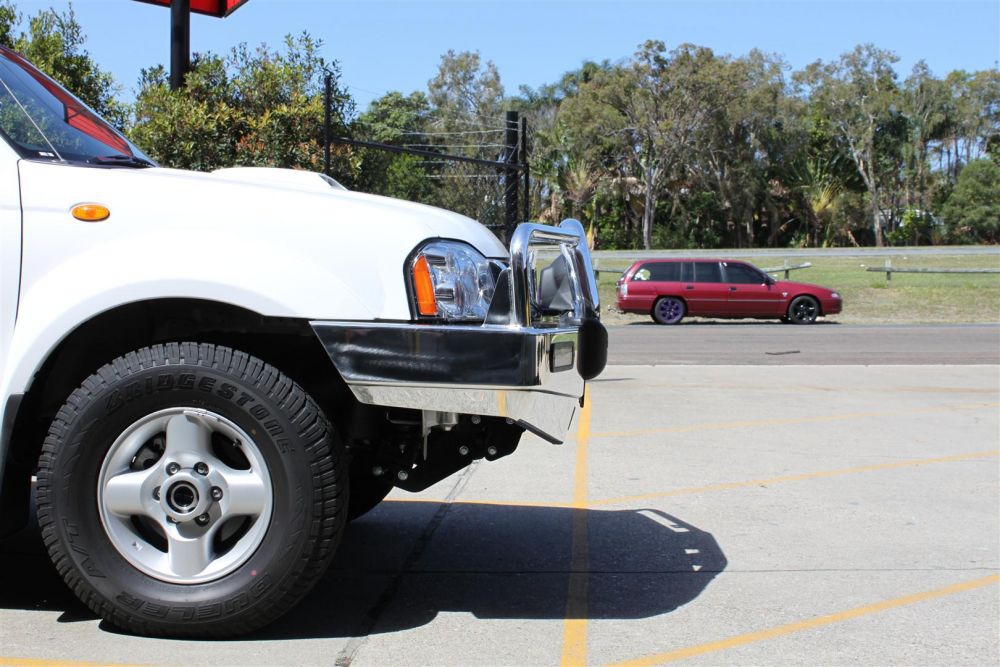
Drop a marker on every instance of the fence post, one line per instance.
(511, 174)
(524, 160)
(888, 270)
(786, 269)
(327, 102)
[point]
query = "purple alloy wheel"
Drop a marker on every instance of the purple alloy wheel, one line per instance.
(668, 310)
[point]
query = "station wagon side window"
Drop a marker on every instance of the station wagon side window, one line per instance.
(664, 272)
(707, 272)
(743, 275)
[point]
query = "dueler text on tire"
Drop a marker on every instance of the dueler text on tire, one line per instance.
(190, 490)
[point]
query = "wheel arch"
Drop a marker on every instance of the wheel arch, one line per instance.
(289, 344)
(668, 296)
(819, 302)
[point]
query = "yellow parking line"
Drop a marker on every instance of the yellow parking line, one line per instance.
(722, 486)
(574, 649)
(828, 619)
(750, 423)
(728, 486)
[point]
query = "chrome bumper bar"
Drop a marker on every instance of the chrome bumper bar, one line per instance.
(526, 375)
(530, 374)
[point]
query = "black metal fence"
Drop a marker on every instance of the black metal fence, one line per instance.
(511, 168)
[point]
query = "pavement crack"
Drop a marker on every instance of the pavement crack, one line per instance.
(368, 622)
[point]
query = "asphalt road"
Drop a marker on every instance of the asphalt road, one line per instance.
(715, 514)
(773, 343)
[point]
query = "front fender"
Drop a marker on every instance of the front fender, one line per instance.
(114, 274)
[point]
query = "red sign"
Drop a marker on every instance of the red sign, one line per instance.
(216, 8)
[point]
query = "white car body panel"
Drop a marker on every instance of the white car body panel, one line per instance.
(301, 249)
(10, 250)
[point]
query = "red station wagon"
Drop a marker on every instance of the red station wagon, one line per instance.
(669, 289)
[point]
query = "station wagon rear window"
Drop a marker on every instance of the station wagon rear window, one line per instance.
(660, 271)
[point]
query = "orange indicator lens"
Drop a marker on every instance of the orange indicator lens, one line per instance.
(423, 287)
(90, 212)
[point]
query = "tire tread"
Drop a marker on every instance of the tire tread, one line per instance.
(314, 431)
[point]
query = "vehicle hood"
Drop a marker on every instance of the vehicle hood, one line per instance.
(307, 248)
(792, 287)
(310, 192)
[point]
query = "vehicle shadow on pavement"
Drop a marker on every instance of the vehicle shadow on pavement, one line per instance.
(28, 580)
(404, 563)
(501, 562)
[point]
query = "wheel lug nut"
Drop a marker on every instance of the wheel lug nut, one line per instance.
(216, 493)
(463, 450)
(201, 520)
(156, 493)
(201, 468)
(173, 468)
(402, 475)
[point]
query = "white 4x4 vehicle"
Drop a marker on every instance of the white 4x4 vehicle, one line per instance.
(209, 374)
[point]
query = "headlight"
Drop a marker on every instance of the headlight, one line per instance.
(451, 280)
(834, 295)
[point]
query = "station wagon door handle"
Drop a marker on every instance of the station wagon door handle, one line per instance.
(732, 289)
(689, 287)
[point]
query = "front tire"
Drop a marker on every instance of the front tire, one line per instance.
(668, 310)
(190, 491)
(803, 310)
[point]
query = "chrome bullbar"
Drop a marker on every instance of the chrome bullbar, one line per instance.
(571, 240)
(528, 362)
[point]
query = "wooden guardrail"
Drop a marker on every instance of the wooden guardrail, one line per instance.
(889, 269)
(786, 268)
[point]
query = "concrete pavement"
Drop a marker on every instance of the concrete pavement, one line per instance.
(715, 514)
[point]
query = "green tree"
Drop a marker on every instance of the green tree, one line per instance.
(551, 145)
(972, 212)
(822, 177)
(54, 42)
(644, 116)
(857, 94)
(253, 108)
(978, 113)
(926, 104)
(467, 118)
(194, 128)
(737, 145)
(399, 120)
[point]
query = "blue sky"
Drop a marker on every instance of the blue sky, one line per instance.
(387, 45)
